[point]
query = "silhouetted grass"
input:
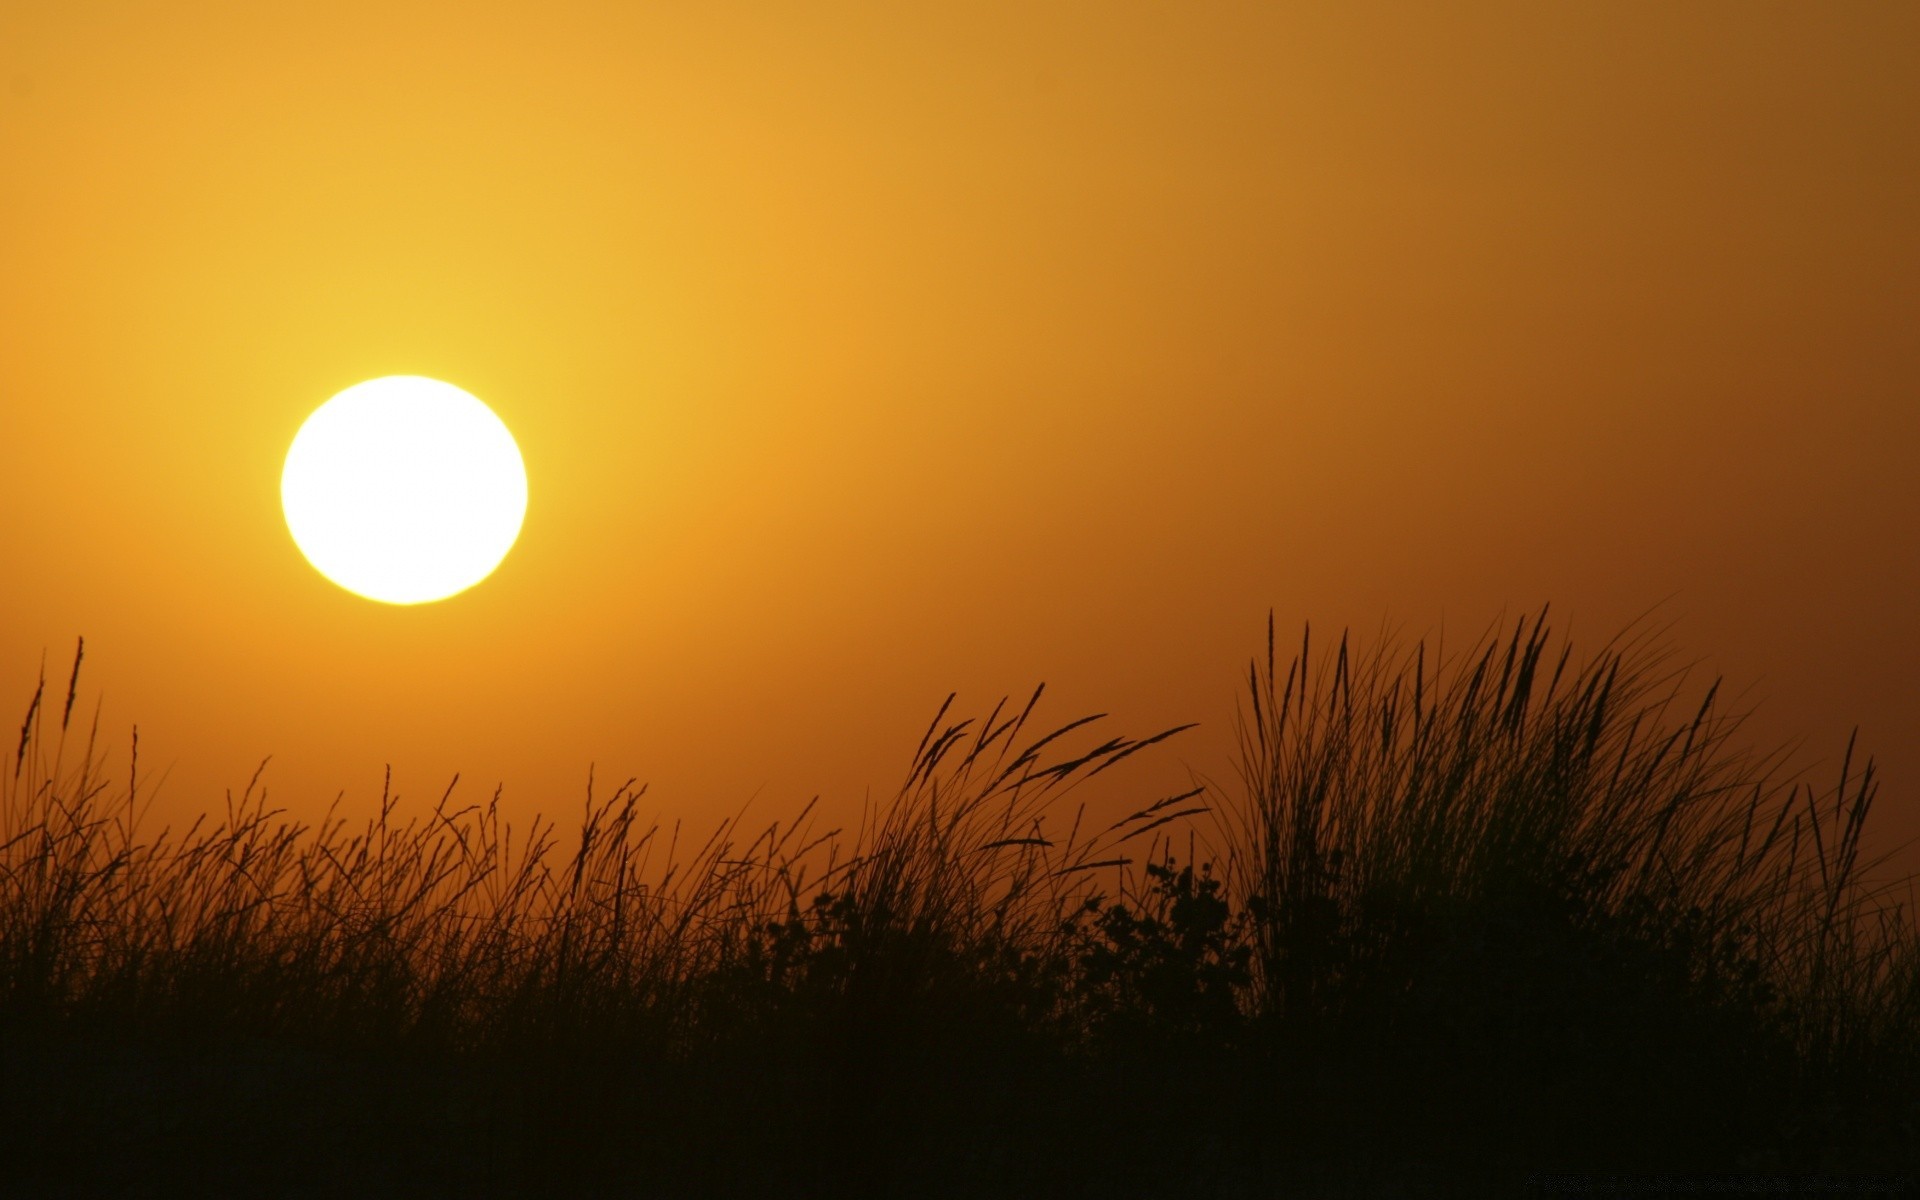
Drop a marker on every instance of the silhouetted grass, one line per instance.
(1463, 918)
(1538, 896)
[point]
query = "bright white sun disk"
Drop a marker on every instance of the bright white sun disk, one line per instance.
(404, 489)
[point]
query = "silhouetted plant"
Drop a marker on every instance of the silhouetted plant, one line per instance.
(1172, 965)
(1528, 872)
(1500, 906)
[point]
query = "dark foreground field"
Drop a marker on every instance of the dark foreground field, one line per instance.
(1513, 921)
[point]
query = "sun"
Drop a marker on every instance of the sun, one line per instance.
(404, 490)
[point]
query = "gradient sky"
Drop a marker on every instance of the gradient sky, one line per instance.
(864, 352)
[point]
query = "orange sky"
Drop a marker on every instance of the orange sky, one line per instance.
(864, 352)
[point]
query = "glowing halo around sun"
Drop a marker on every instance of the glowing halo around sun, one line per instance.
(404, 490)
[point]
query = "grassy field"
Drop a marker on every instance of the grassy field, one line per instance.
(1462, 921)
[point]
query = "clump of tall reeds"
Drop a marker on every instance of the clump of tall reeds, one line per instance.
(1511, 852)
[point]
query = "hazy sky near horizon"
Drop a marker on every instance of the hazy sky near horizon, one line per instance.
(864, 352)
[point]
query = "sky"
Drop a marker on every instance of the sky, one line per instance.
(861, 353)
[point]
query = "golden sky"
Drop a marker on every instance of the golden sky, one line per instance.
(864, 352)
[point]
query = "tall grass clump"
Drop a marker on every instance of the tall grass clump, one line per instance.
(1539, 907)
(1461, 915)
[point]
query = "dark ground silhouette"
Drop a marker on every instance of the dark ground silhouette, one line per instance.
(1512, 923)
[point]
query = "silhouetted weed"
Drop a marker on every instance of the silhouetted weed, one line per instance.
(1173, 964)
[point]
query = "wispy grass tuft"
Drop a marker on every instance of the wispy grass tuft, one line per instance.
(1571, 863)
